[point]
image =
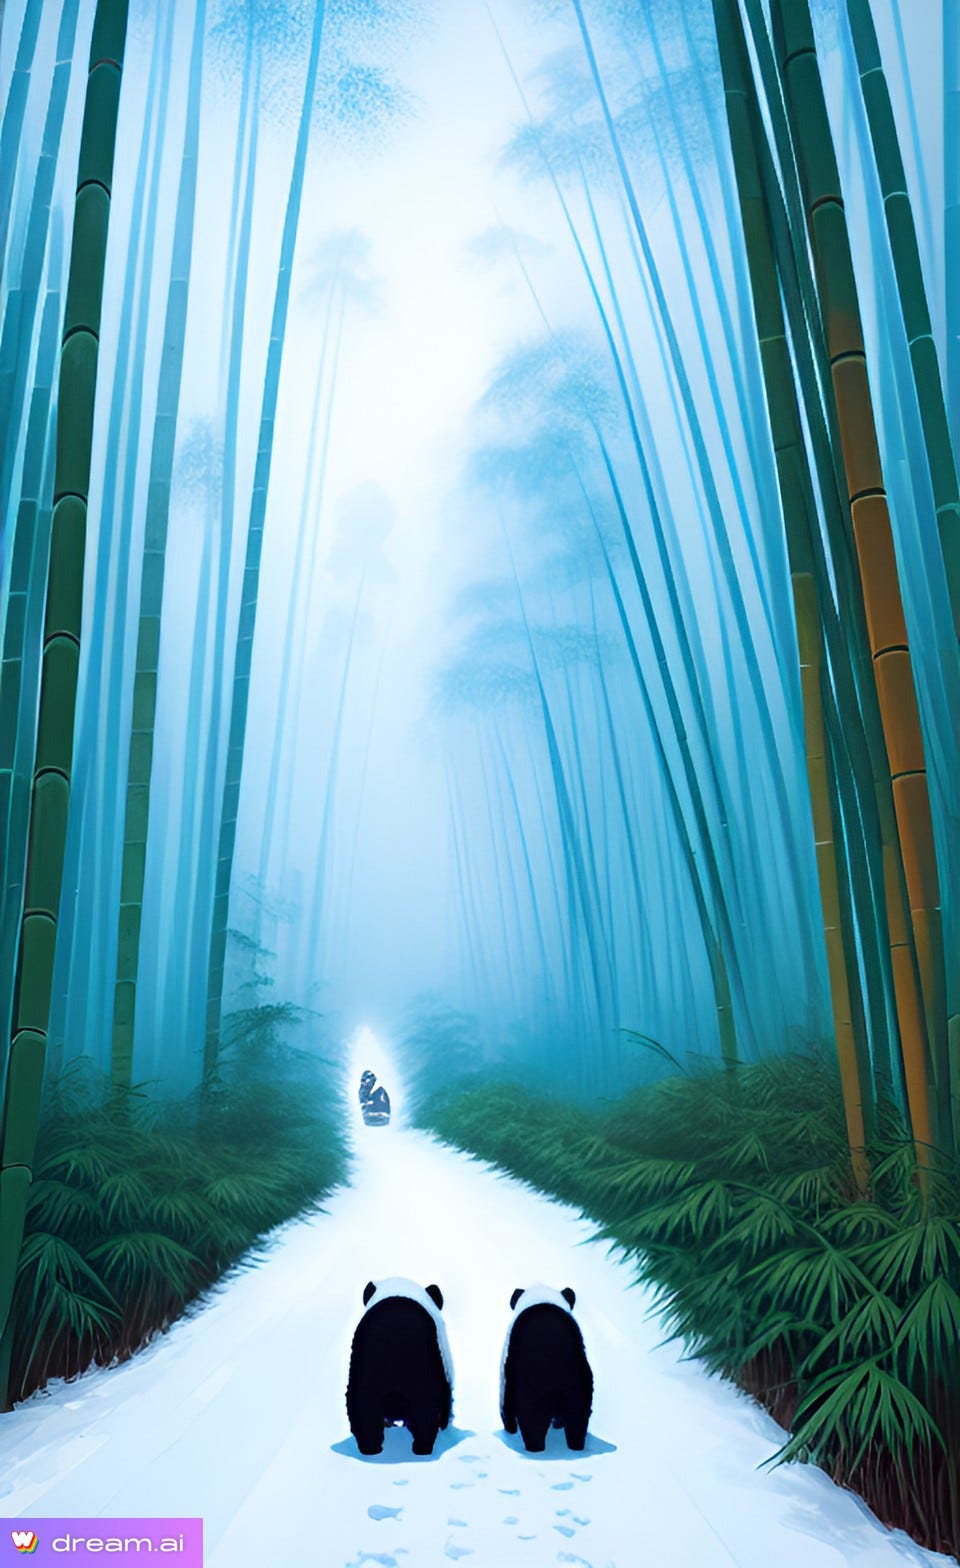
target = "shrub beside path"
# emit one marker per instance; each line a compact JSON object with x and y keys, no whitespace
{"x":238,"y":1414}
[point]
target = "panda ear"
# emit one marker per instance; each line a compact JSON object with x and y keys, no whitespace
{"x":516,"y":1297}
{"x":368,"y":1290}
{"x":569,"y":1296}
{"x":436,"y":1295}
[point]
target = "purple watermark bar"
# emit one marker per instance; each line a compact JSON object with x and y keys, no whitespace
{"x":47,"y":1541}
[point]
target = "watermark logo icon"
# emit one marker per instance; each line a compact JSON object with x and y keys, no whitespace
{"x":25,"y":1541}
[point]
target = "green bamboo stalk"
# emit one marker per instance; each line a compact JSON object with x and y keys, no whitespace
{"x":61,"y":646}
{"x":136,"y":817}
{"x":243,"y":659}
{"x":951,"y":203}
{"x":905,"y":252}
{"x":799,"y":516}
{"x":845,"y":622}
{"x":880,"y":588}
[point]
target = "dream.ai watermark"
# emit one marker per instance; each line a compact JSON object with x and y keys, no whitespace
{"x":48,"y":1541}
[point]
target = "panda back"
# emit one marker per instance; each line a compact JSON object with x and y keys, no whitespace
{"x":407,"y":1321}
{"x":543,"y":1330}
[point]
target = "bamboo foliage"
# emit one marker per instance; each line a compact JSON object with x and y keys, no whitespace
{"x":873,"y":536}
{"x":62,"y":631}
{"x":718,"y":913}
{"x":730,"y":572}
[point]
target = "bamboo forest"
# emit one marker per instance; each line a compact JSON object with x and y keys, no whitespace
{"x":479,"y":616}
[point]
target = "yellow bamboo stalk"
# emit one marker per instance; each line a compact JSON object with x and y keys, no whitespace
{"x":809,"y":634}
{"x":922,"y":1026}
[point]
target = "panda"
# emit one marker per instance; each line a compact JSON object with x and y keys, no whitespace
{"x":545,"y":1377}
{"x":400,"y":1367}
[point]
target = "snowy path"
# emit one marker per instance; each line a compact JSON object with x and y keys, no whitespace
{"x":238,"y":1414}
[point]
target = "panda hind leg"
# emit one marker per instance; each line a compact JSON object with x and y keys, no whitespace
{"x":508,"y":1413}
{"x":533,"y":1425}
{"x":575,"y":1431}
{"x":424,"y":1435}
{"x":369,"y":1437}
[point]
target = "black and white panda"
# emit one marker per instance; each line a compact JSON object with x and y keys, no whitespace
{"x":545,"y":1377}
{"x":400,"y":1366}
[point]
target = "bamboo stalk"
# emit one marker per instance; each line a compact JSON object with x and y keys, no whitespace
{"x":136,"y":808}
{"x":845,"y":622}
{"x":810,"y":646}
{"x":22,"y":305}
{"x":873,"y":535}
{"x":799,"y":515}
{"x":83,"y":986}
{"x":62,"y":632}
{"x":905,"y":252}
{"x":951,"y":198}
{"x":251,"y":573}
{"x":14,"y":113}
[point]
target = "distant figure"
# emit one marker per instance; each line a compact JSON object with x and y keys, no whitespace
{"x":374,"y":1102}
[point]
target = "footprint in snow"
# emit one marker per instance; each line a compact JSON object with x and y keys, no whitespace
{"x":509,"y":1491}
{"x":565,"y":1530}
{"x":380,"y":1511}
{"x":511,"y":1519}
{"x":562,"y":1486}
{"x":460,"y":1523}
{"x":459,"y":1486}
{"x":401,"y":1483}
{"x":571,"y":1557}
{"x":455,"y":1552}
{"x":579,"y":1476}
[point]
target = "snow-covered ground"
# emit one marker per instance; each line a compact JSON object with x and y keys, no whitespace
{"x":238,"y":1414}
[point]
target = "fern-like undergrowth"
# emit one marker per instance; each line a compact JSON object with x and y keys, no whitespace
{"x":732,"y":1194}
{"x":138,"y":1207}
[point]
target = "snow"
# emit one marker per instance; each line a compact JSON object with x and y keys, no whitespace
{"x":238,"y":1413}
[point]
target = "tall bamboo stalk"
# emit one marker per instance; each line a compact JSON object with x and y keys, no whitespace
{"x":732,"y":575}
{"x":18,"y":693}
{"x":23,"y":302}
{"x":211,"y":768}
{"x":136,"y":810}
{"x":799,"y":515}
{"x":951,"y":202}
{"x":889,"y":643}
{"x":905,"y":252}
{"x":867,"y":776}
{"x":84,"y":976}
{"x":14,"y":111}
{"x":62,"y":631}
{"x":251,"y":574}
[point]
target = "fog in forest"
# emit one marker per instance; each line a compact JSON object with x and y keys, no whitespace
{"x":524,"y":673}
